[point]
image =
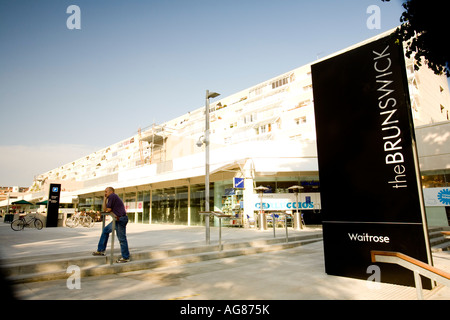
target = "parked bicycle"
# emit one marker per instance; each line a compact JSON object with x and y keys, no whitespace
{"x":80,"y":219}
{"x":23,"y":222}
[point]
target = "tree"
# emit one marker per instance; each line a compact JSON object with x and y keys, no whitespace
{"x":424,"y":29}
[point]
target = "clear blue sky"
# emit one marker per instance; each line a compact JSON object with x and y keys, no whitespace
{"x":66,"y":93}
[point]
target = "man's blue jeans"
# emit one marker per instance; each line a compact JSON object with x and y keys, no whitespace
{"x":121,"y":235}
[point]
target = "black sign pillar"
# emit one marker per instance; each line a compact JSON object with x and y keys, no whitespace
{"x":53,"y":205}
{"x":368,"y":162}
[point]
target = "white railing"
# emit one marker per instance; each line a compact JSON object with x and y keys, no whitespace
{"x":418,"y":267}
{"x":216,"y":214}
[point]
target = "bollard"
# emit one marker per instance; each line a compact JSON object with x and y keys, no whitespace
{"x":286,"y":226}
{"x":273,"y":224}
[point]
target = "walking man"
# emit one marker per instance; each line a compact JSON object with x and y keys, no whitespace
{"x":112,"y":203}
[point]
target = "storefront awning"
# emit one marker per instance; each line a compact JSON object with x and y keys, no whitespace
{"x":275,"y":165}
{"x":228,"y":166}
{"x":21,"y":202}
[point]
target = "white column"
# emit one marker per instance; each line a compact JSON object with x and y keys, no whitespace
{"x":248,"y":196}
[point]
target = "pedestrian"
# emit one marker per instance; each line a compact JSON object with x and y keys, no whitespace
{"x":113,"y":204}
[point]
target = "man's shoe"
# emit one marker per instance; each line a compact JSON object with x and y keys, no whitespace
{"x":98,"y":253}
{"x":122,"y":260}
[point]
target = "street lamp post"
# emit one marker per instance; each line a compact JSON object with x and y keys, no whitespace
{"x":209,"y":95}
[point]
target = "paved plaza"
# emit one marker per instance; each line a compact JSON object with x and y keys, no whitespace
{"x":291,"y":274}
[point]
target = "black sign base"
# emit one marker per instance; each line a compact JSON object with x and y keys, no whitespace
{"x":348,"y":245}
{"x":370,"y":188}
{"x":53,"y":205}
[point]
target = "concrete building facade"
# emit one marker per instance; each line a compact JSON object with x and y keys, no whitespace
{"x":260,"y":136}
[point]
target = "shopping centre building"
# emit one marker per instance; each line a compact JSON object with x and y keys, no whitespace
{"x":261,"y":136}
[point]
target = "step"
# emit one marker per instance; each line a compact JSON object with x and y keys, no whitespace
{"x":445,"y":246}
{"x":21,"y":272}
{"x":438,"y":241}
{"x":435,"y":234}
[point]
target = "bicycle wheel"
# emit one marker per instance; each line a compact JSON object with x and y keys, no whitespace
{"x":17,"y":225}
{"x":69,"y":223}
{"x":87,"y":222}
{"x":72,"y":222}
{"x":38,"y":224}
{"x":91,"y":222}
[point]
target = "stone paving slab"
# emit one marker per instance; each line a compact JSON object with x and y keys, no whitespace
{"x":291,"y":274}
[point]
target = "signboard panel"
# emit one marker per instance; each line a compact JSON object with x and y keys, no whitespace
{"x":238,"y":183}
{"x":366,"y":149}
{"x":437,"y":197}
{"x":286,"y":201}
{"x":53,"y":205}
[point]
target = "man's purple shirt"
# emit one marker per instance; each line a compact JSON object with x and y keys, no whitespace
{"x":116,"y":205}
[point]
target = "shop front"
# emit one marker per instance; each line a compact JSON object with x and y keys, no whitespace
{"x":173,"y":205}
{"x":181,"y":205}
{"x":437,"y":206}
{"x":278,"y":206}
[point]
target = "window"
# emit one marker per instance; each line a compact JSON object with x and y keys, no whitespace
{"x":300,"y":121}
{"x":304,"y":103}
{"x":436,"y":179}
{"x":256,"y":92}
{"x":249,"y":118}
{"x":280,"y":82}
{"x":307,"y":88}
{"x":410,"y":69}
{"x":264,"y":129}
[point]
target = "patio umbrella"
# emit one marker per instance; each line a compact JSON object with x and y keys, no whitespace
{"x":42,"y":202}
{"x":21,"y":202}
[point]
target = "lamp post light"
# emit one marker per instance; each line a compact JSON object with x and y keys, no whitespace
{"x":209,"y":95}
{"x":297,"y":219}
